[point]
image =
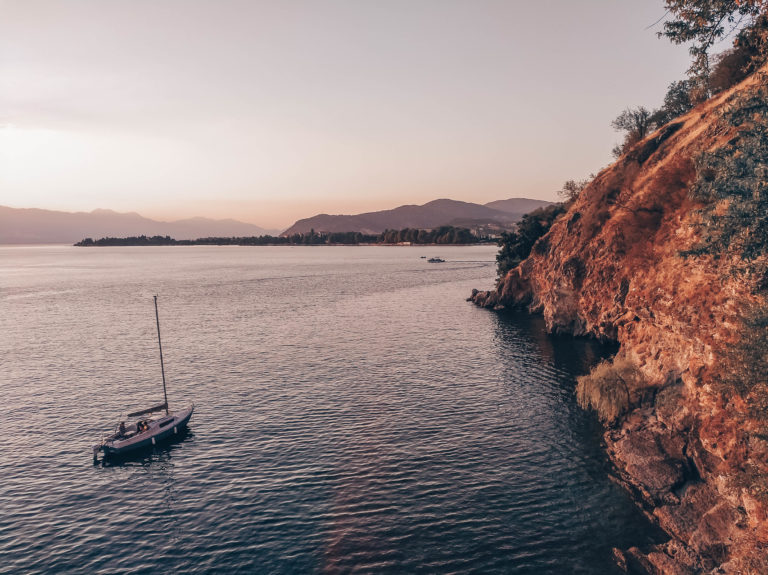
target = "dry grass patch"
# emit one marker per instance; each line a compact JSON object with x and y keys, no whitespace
{"x":606,"y":388}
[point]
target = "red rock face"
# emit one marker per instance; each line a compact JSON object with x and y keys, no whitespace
{"x":610,"y":267}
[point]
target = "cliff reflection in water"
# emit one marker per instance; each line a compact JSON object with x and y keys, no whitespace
{"x":570,"y":354}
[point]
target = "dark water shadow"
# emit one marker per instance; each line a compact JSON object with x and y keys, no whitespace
{"x":617,"y":519}
{"x":574,"y":354}
{"x":540,"y":368}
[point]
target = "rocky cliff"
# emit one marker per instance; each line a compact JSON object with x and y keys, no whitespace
{"x":614,"y":266}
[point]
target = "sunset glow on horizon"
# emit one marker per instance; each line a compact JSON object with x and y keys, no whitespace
{"x":269,"y":112}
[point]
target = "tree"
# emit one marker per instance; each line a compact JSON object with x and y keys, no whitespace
{"x":516,"y":246}
{"x":677,"y":102}
{"x":572,"y":188}
{"x":730,"y":68}
{"x":636,"y":123}
{"x":706,"y":22}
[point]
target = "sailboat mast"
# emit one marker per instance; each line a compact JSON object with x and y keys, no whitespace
{"x":160,"y":345}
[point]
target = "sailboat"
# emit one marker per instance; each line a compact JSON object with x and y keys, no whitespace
{"x":145,"y":431}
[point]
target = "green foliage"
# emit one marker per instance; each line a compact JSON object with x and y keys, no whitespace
{"x":633,"y":121}
{"x":637,"y":123}
{"x":132,"y":241}
{"x":441,"y":235}
{"x":733,"y":183}
{"x":606,"y":389}
{"x":677,"y":102}
{"x":703,"y":23}
{"x":517,"y":245}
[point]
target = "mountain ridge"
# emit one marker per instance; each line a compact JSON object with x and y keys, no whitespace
{"x":41,"y":226}
{"x":432,"y":214}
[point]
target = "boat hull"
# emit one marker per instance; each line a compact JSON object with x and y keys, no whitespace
{"x":160,"y":430}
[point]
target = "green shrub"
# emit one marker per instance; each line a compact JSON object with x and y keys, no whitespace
{"x":517,"y":245}
{"x":733,"y":183}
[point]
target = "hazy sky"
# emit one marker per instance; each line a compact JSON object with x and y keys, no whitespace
{"x":268,"y":111}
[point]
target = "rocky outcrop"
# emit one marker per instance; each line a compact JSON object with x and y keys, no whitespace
{"x":611,"y":267}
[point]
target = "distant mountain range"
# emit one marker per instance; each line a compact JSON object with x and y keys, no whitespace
{"x":35,"y":226}
{"x":430,"y":215}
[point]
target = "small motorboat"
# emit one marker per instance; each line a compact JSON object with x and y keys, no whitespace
{"x":145,"y":432}
{"x":436,"y":260}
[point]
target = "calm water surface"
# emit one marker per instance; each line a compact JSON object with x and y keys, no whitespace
{"x":354,"y":414}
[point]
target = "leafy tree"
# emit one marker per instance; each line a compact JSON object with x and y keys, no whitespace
{"x":706,"y":22}
{"x":440,"y":235}
{"x":677,"y":101}
{"x":572,"y":188}
{"x":636,"y":123}
{"x":517,"y":245}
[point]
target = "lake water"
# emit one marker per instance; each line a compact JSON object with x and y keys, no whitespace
{"x":353,"y":414}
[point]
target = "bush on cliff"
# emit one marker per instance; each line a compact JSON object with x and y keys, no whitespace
{"x":731,"y":67}
{"x":516,"y":246}
{"x":732,"y":182}
{"x":606,"y":389}
{"x":636,"y":123}
{"x":677,"y":101}
{"x":572,"y":188}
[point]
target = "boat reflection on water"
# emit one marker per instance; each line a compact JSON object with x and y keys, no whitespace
{"x":153,"y":473}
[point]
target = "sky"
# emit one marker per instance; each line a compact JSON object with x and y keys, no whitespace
{"x":270,"y":111}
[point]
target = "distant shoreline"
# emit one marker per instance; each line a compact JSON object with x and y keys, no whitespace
{"x":443,"y":236}
{"x":183,"y":243}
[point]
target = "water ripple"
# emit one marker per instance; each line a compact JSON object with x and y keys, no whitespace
{"x":354,"y":414}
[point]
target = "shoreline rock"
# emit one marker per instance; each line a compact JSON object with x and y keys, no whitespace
{"x":610,"y":268}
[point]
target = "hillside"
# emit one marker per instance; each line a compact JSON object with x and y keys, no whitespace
{"x":436,"y":213}
{"x":649,"y":256}
{"x":35,"y":226}
{"x":517,"y":206}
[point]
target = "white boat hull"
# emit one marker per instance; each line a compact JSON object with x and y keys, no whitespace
{"x":159,"y":430}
